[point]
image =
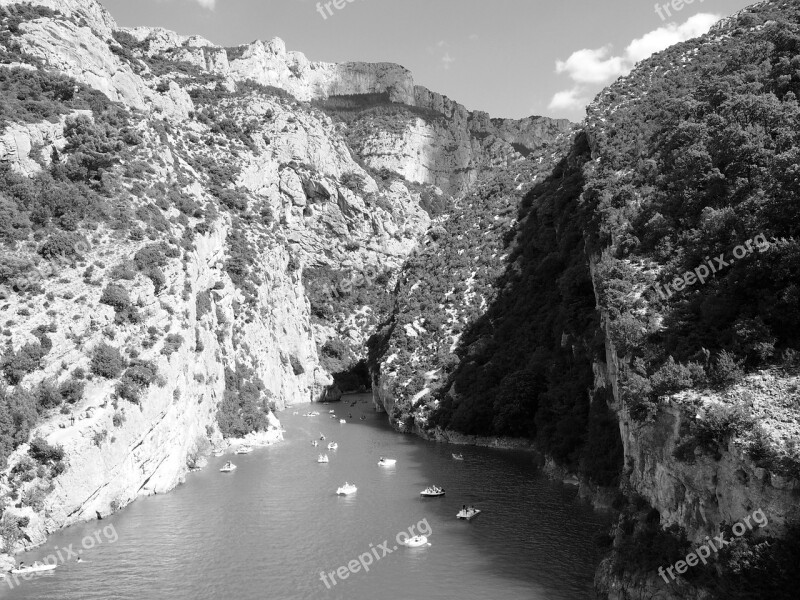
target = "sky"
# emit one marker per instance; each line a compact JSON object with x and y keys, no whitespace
{"x":510,"y":58}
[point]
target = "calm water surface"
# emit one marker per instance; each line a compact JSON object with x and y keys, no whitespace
{"x":268,"y":529}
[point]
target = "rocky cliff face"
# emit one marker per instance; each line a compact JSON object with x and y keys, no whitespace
{"x":701,"y":445}
{"x":221,"y":179}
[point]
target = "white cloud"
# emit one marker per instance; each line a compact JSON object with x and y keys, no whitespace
{"x":568,"y":100}
{"x":447,"y":60}
{"x":209,"y":4}
{"x":589,"y":68}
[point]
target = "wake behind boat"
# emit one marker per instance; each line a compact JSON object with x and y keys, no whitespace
{"x":433,"y":491}
{"x":346,"y":489}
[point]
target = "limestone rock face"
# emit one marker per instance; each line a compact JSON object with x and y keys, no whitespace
{"x":19,"y":139}
{"x":249,"y":200}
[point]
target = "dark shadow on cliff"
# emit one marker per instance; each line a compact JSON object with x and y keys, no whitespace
{"x":526,"y":365}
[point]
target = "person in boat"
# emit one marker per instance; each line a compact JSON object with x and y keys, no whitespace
{"x":464,"y":507}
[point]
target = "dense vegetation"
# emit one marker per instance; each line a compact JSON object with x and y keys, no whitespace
{"x":706,"y":161}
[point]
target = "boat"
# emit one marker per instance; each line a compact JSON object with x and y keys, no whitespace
{"x":333,"y":446}
{"x":228,"y":467}
{"x":244,"y":450}
{"x":323,"y":458}
{"x":342,"y":421}
{"x":334,"y":417}
{"x":219,"y":452}
{"x":362,"y":418}
{"x":34,"y":568}
{"x":322,"y":437}
{"x":332,"y":411}
{"x":432,"y":491}
{"x":311,"y":414}
{"x":387,"y":462}
{"x":416,"y":541}
{"x":458,"y":456}
{"x":468,"y":513}
{"x":346,"y":489}
{"x":572,"y":480}
{"x":296,"y":413}
{"x":314,"y":443}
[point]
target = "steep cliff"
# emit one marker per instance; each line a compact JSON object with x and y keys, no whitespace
{"x":638,"y":319}
{"x":193,"y":238}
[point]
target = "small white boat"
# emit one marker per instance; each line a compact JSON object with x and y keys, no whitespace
{"x":346,"y":489}
{"x":342,"y":421}
{"x":228,"y":467}
{"x":387,"y":462}
{"x":314,"y":443}
{"x":433,"y":491}
{"x":416,"y":541}
{"x":244,"y":450}
{"x":322,"y":437}
{"x":468,"y":513}
{"x":458,"y":456}
{"x":34,"y":568}
{"x":219,"y":452}
{"x":296,"y":412}
{"x":333,"y":446}
{"x":331,"y":411}
{"x":311,"y":414}
{"x":323,"y":458}
{"x":334,"y":417}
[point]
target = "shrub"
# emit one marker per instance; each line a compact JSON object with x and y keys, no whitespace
{"x":48,"y":395}
{"x":26,"y":360}
{"x":118,"y":419}
{"x":353,"y":181}
{"x":43,"y":452}
{"x":106,"y":361}
{"x":673,"y":377}
{"x":71,"y":390}
{"x":172,"y":343}
{"x":116,"y":296}
{"x":61,"y":245}
{"x":203,"y":303}
{"x":719,"y":424}
{"x":727,"y":370}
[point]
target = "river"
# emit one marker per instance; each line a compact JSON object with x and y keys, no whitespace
{"x":270,"y":528}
